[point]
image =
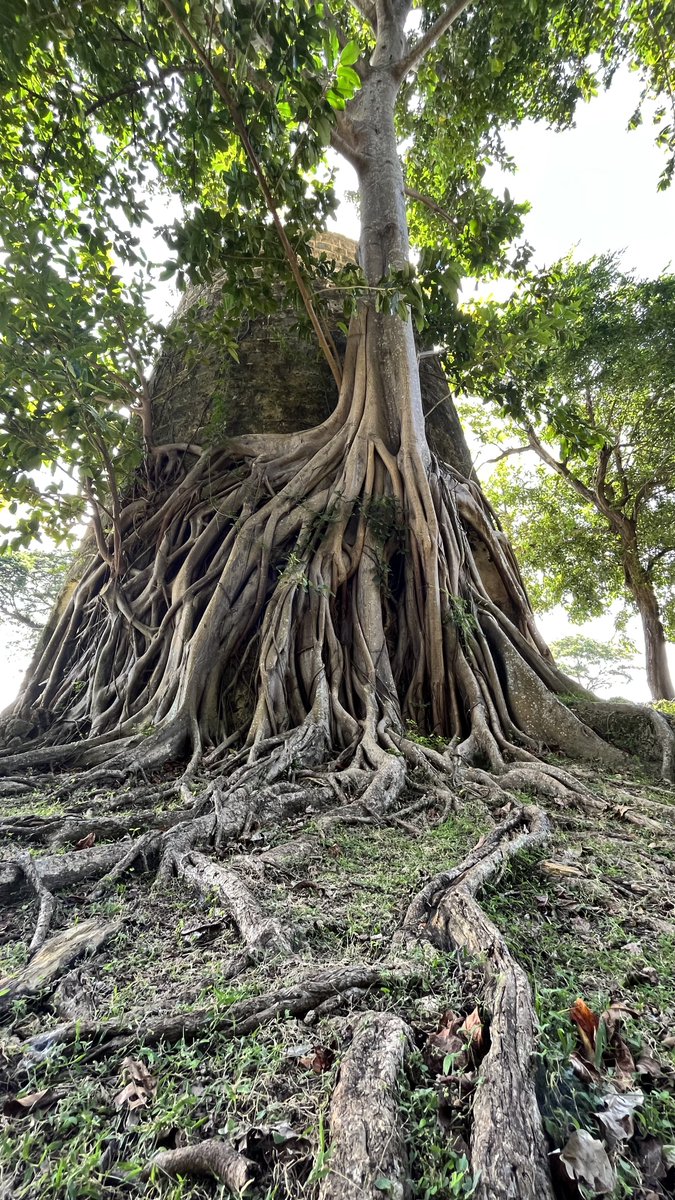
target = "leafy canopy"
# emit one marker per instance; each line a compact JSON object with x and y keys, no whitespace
{"x":29,"y":585}
{"x":108,"y":112}
{"x":582,"y":360}
{"x":596,"y":664}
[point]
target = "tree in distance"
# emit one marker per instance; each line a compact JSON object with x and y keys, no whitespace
{"x":582,"y":359}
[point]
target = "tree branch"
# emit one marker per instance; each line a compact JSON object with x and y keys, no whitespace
{"x":413,"y":194}
{"x":561,"y":469}
{"x":507,"y":453}
{"x":433,"y":34}
{"x":342,"y":141}
{"x":367,"y":11}
{"x":601,"y":475}
{"x":325,"y":340}
{"x":654,"y":558}
{"x":139,"y":85}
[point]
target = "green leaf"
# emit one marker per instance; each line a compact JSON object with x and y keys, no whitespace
{"x":350,"y":54}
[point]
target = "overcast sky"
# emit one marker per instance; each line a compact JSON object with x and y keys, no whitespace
{"x":592,"y":188}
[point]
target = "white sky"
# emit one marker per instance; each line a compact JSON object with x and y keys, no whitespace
{"x":592,"y":188}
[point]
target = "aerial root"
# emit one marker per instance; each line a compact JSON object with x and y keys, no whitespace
{"x":366,"y":1130}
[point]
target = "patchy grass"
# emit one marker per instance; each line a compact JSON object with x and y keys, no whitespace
{"x":602,"y":929}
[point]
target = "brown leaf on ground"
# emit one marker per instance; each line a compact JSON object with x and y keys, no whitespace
{"x":21,"y":1106}
{"x":585,"y":1161}
{"x":444,"y":1042}
{"x":650,"y":1066}
{"x":141,"y":1086}
{"x":472,"y":1028}
{"x":584,"y":1070}
{"x":651,"y":1158}
{"x":617,"y":1116}
{"x":319,"y":1060}
{"x":624,"y":1065}
{"x":587,"y":1023}
{"x":86,"y":842}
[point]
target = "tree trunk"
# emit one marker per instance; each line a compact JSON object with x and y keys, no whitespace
{"x":325,"y":588}
{"x":640,"y":587}
{"x":305,"y":624}
{"x":656,"y":647}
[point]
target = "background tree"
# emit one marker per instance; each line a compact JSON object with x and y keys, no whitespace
{"x":582,"y":359}
{"x":596,"y":664}
{"x":30,"y":582}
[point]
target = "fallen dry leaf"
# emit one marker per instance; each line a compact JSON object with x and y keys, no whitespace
{"x":132,"y":1096}
{"x":472,"y":1028}
{"x":141,"y":1086}
{"x":445,"y":1042}
{"x":86,"y":842}
{"x":651,"y":1158}
{"x":648,"y":1065}
{"x":319,"y":1060}
{"x":587,"y":1023}
{"x":617,"y":1116}
{"x":21,"y":1106}
{"x":585,"y":1161}
{"x":584,"y":1070}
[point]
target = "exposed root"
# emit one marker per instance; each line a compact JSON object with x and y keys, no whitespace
{"x":55,"y":956}
{"x":366,"y":1132}
{"x":215,"y":1157}
{"x":508,"y":1150}
{"x":142,"y":848}
{"x":63,"y":870}
{"x":237,"y":1019}
{"x":259,"y":932}
{"x":46,"y":898}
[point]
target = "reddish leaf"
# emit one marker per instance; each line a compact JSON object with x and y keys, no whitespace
{"x":472,"y":1028}
{"x":587,"y":1023}
{"x":319,"y":1061}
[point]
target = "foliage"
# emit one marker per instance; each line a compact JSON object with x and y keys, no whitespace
{"x":108,"y":113}
{"x":581,"y":360}
{"x":595,"y":664}
{"x":30,"y":581}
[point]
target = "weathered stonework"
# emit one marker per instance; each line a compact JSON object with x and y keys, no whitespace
{"x":281,"y":383}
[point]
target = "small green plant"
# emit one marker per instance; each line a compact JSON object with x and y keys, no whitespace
{"x":432,"y":740}
{"x":436,"y":1169}
{"x":461,"y":616}
{"x":384,"y":517}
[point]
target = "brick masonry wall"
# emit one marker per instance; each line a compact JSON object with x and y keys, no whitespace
{"x":281,"y":383}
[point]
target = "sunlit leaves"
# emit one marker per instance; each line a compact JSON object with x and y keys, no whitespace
{"x":583,"y":355}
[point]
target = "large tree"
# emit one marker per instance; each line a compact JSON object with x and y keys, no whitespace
{"x":336,"y":607}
